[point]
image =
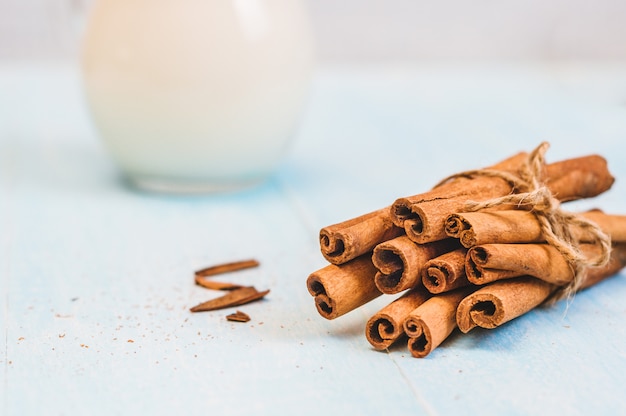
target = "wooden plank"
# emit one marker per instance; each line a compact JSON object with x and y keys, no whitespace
{"x":100,"y":277}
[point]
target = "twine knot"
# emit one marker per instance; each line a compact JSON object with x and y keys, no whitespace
{"x":543,"y":201}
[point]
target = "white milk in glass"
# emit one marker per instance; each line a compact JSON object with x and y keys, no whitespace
{"x":197,"y":95}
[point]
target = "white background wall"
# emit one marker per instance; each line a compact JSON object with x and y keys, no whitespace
{"x":374,"y":30}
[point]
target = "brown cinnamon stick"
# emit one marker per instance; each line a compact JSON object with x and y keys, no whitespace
{"x":578,"y":178}
{"x":347,"y":240}
{"x":490,"y":262}
{"x":233,"y":298}
{"x":483,"y":227}
{"x":501,"y":301}
{"x":339,"y":289}
{"x":400,"y":261}
{"x":386,"y":326}
{"x":520,"y":226}
{"x":432,"y":322}
{"x":424,"y":216}
{"x":445,"y":272}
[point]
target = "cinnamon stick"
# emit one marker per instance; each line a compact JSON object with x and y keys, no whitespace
{"x":445,"y":272}
{"x":578,"y":178}
{"x":499,"y":302}
{"x":432,"y":322}
{"x":520,"y":226}
{"x":490,"y":262}
{"x":339,"y":289}
{"x":424,"y":216}
{"x":347,"y":240}
{"x":386,"y":326}
{"x":400,"y":262}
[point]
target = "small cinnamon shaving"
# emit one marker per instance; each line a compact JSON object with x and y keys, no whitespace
{"x":209,"y":284}
{"x":201,"y":274}
{"x":226,"y":267}
{"x":233,"y":298}
{"x":238,"y":316}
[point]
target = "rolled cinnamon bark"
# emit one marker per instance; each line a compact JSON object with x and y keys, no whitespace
{"x":432,"y":322}
{"x":347,"y":240}
{"x":578,"y":178}
{"x":386,"y":326}
{"x":500,"y":302}
{"x":520,"y":226}
{"x":338,"y":290}
{"x":490,"y":262}
{"x":445,"y":272}
{"x":424,"y":216}
{"x":400,"y":261}
{"x":483,"y":227}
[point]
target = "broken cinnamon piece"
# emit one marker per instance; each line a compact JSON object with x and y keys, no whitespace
{"x":433,"y":321}
{"x":339,"y":289}
{"x":385,"y":327}
{"x":235,"y":297}
{"x":347,"y":240}
{"x":238,"y":316}
{"x":200,"y":275}
{"x":226,"y":267}
{"x":445,"y":272}
{"x":210,"y":284}
{"x":400,"y":262}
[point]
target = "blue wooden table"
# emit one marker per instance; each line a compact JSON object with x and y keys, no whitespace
{"x":96,"y":278}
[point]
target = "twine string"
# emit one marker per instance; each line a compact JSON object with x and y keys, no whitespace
{"x":530,"y":192}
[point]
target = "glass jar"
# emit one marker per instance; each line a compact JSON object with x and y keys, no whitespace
{"x":197,"y":95}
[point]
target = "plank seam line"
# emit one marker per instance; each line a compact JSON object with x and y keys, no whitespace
{"x":425,"y":405}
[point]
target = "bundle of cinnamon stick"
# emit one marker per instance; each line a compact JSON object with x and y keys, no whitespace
{"x":479,"y":249}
